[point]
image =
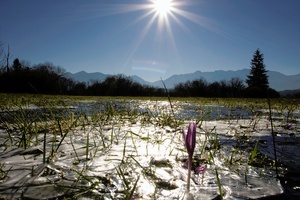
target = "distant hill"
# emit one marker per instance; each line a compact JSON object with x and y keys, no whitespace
{"x":83,"y":76}
{"x":208,"y":76}
{"x":277,"y":80}
{"x":290,"y":93}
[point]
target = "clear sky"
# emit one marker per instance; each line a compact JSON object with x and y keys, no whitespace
{"x":153,"y":41}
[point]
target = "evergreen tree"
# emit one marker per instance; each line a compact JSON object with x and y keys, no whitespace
{"x":17,"y":64}
{"x":258,"y":77}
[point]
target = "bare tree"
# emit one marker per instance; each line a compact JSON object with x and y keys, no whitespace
{"x":2,"y":55}
{"x":8,"y":56}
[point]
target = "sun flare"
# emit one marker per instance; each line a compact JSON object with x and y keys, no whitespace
{"x":163,"y":7}
{"x":161,"y":16}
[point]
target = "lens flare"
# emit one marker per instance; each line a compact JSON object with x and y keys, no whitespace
{"x":161,"y":18}
{"x":163,"y":7}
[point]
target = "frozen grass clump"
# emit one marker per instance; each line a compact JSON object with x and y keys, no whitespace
{"x":104,"y":148}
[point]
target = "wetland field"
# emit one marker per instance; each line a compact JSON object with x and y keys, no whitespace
{"x":62,"y":147}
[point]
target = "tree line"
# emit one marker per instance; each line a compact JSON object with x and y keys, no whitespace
{"x":47,"y":78}
{"x":234,"y":88}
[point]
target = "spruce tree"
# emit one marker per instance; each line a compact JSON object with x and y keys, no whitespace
{"x":258,"y":77}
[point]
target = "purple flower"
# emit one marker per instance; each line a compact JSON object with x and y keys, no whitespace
{"x":201,"y":169}
{"x":190,"y":139}
{"x":289,"y":127}
{"x":189,"y":142}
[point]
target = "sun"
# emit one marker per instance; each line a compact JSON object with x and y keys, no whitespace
{"x":163,"y":7}
{"x":162,"y":19}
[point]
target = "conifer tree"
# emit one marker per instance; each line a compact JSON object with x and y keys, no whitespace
{"x":258,"y":77}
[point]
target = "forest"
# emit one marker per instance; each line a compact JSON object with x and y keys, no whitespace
{"x":46,"y":78}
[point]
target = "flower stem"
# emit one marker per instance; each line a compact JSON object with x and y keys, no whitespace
{"x":189,"y":173}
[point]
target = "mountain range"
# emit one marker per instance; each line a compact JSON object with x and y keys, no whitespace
{"x":277,"y":80}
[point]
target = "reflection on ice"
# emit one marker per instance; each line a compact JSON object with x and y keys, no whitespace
{"x":141,"y":152}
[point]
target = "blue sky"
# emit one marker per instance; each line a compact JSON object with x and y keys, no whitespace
{"x":132,"y":37}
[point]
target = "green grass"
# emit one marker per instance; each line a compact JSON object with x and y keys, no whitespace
{"x":24,"y":129}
